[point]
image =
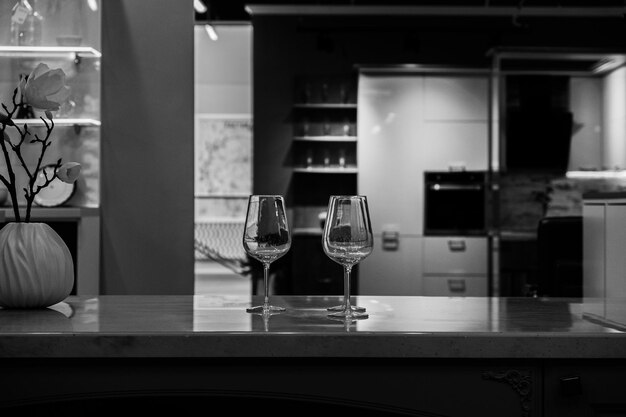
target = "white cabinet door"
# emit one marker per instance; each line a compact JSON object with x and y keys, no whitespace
{"x":446,"y":145}
{"x":456,"y":113}
{"x":456,"y":98}
{"x":455,"y":255}
{"x":615,"y":250}
{"x":392,"y":272}
{"x":456,"y":266}
{"x":409,"y":124}
{"x":389,"y":120}
{"x":593,"y":258}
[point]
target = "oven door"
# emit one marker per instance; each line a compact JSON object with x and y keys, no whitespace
{"x":455,"y":206}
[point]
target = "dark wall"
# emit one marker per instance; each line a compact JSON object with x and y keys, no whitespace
{"x":147,"y":147}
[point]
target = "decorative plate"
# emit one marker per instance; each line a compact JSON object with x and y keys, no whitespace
{"x":56,"y":193}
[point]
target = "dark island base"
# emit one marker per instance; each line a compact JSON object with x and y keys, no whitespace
{"x":310,"y":386}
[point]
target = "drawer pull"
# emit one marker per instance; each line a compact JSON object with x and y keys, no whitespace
{"x":456,"y":245}
{"x":456,"y":285}
{"x":391,"y":240}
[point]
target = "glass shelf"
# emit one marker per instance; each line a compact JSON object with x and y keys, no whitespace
{"x":70,"y":52}
{"x":326,"y":138}
{"x":324,"y":170}
{"x":325,"y":105}
{"x":59,"y":122}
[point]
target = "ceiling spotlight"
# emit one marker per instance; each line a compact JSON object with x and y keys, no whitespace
{"x":210,"y":30}
{"x":93,"y":5}
{"x":199,"y":6}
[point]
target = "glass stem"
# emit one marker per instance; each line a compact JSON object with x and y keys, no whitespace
{"x":266,"y":271}
{"x":346,"y":287}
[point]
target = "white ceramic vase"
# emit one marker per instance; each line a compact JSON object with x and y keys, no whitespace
{"x":36,"y":268}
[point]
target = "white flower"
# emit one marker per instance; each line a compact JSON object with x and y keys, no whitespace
{"x":69,"y":172}
{"x":44,"y":88}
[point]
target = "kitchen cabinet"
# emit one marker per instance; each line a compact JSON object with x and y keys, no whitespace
{"x":68,"y":38}
{"x":604,"y":239}
{"x":584,"y":388}
{"x":615,"y":276}
{"x":455,"y":266}
{"x":409,"y":123}
{"x":455,"y":123}
{"x":392,"y":268}
{"x":594,"y":240}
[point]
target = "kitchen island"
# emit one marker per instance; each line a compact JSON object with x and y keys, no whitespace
{"x":412,"y":356}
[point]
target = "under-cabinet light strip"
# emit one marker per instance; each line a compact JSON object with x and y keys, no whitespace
{"x":596,"y":174}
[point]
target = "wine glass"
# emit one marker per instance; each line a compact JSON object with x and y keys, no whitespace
{"x":347,"y":240}
{"x":266,"y":238}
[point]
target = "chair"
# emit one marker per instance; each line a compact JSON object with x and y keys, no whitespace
{"x":560,"y":256}
{"x":220,"y":241}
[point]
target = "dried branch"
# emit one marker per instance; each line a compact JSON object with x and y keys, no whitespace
{"x":11,"y":182}
{"x":45,"y":144}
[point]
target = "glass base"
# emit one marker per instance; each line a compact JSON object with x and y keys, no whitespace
{"x":265,"y":309}
{"x":349,"y":315}
{"x":341,"y":307}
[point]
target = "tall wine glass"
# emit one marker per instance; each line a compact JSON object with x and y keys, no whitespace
{"x":347,"y":240}
{"x":266,"y":238}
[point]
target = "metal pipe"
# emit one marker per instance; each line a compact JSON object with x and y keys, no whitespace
{"x":485,"y":11}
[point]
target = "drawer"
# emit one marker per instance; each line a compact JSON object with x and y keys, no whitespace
{"x":456,"y":255}
{"x":455,"y":285}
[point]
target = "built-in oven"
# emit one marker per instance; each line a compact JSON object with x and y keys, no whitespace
{"x":455,"y":203}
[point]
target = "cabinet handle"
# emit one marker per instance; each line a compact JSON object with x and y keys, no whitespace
{"x":456,"y":245}
{"x":456,"y":285}
{"x":391,"y":240}
{"x":571,"y":386}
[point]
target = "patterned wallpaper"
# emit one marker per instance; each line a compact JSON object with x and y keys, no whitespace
{"x":223,"y":170}
{"x":527,"y":197}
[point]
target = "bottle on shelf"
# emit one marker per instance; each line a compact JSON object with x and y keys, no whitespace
{"x":26,"y":23}
{"x":346,"y":127}
{"x":305,"y":127}
{"x":325,"y":92}
{"x":326,"y":128}
{"x":343,"y":93}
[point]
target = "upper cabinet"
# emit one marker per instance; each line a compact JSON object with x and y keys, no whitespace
{"x":63,"y":34}
{"x":409,"y":123}
{"x":559,"y":110}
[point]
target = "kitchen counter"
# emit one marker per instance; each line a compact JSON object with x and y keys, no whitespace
{"x":398,"y":327}
{"x":412,"y":356}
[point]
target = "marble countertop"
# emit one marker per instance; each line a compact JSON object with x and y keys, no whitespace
{"x":397,"y":327}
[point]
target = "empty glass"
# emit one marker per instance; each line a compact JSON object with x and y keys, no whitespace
{"x":266,"y":238}
{"x":347,"y":240}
